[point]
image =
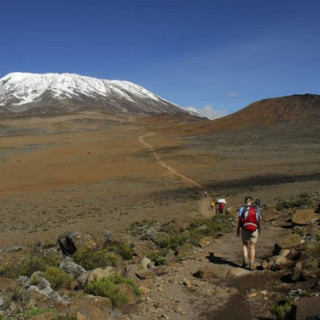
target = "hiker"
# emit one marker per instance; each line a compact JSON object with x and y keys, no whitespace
{"x":221,"y":206}
{"x":249,"y":223}
{"x":213,"y":205}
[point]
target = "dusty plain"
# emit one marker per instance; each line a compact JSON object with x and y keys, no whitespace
{"x":90,"y":172}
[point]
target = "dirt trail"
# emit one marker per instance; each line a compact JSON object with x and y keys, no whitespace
{"x":164,"y":165}
{"x":206,"y":201}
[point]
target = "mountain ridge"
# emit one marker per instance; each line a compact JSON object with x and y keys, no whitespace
{"x":67,"y":92}
{"x":266,"y":112}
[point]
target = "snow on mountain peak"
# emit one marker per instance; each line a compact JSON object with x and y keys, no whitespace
{"x":23,"y":92}
{"x":27,"y":87}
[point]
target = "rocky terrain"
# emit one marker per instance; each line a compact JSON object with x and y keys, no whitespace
{"x":92,"y":179}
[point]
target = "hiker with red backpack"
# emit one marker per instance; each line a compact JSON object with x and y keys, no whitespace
{"x":249,"y":223}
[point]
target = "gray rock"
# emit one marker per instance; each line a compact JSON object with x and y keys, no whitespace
{"x":99,"y":273}
{"x":70,"y":267}
{"x":146,"y":263}
{"x":146,"y":274}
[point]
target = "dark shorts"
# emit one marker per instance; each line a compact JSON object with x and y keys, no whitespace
{"x":248,"y":236}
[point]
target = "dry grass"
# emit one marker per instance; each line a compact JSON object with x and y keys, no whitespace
{"x":90,"y":172}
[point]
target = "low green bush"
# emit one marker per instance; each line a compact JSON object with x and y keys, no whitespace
{"x":108,"y":287}
{"x":122,"y":249}
{"x":10,"y":271}
{"x":27,"y":267}
{"x":157,"y":256}
{"x":91,"y":259}
{"x":303,"y":201}
{"x":283,"y":310}
{"x":58,"y":278}
{"x":38,"y":263}
{"x":198,"y":229}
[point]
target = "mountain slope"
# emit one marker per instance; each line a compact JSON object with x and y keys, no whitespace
{"x":54,"y":93}
{"x":266,"y":112}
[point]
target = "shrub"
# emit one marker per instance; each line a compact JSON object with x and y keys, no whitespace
{"x":37,"y":263}
{"x":303,"y":201}
{"x":30,"y":265}
{"x":91,"y":259}
{"x":157,"y":256}
{"x":107,"y":287}
{"x":10,"y":271}
{"x":58,"y":278}
{"x":17,"y":293}
{"x":283,"y":309}
{"x":122,"y":249}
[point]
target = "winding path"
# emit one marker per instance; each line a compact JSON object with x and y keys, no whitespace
{"x":205,"y":203}
{"x":164,"y":165}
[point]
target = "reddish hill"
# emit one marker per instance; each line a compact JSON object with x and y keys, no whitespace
{"x":266,"y":112}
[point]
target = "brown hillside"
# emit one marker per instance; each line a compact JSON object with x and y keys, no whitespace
{"x":266,"y":112}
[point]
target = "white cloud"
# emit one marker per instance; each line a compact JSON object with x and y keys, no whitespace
{"x":233,"y":94}
{"x":209,"y":112}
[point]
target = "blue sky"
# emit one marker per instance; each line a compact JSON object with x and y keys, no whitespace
{"x":215,"y":56}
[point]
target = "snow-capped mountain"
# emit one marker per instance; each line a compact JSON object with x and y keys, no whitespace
{"x":52,"y":93}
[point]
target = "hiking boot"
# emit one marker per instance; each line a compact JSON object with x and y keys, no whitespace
{"x":245,"y":264}
{"x":252,"y":266}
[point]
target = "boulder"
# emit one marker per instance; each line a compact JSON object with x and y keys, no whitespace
{"x":99,"y":273}
{"x":211,"y":271}
{"x":304,"y":216}
{"x":287,"y":242}
{"x":81,"y":282}
{"x":70,"y":267}
{"x":274,"y":262}
{"x":308,"y":308}
{"x":146,"y":263}
{"x":146,"y":274}
{"x":130,"y":271}
{"x":71,"y":241}
{"x":151,"y":234}
{"x":270,"y":214}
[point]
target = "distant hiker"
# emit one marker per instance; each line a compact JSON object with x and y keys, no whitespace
{"x":213,"y":205}
{"x":249,"y":223}
{"x":221,"y":205}
{"x":205,"y":194}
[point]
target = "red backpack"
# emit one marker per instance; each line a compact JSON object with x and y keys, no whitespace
{"x":249,"y":219}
